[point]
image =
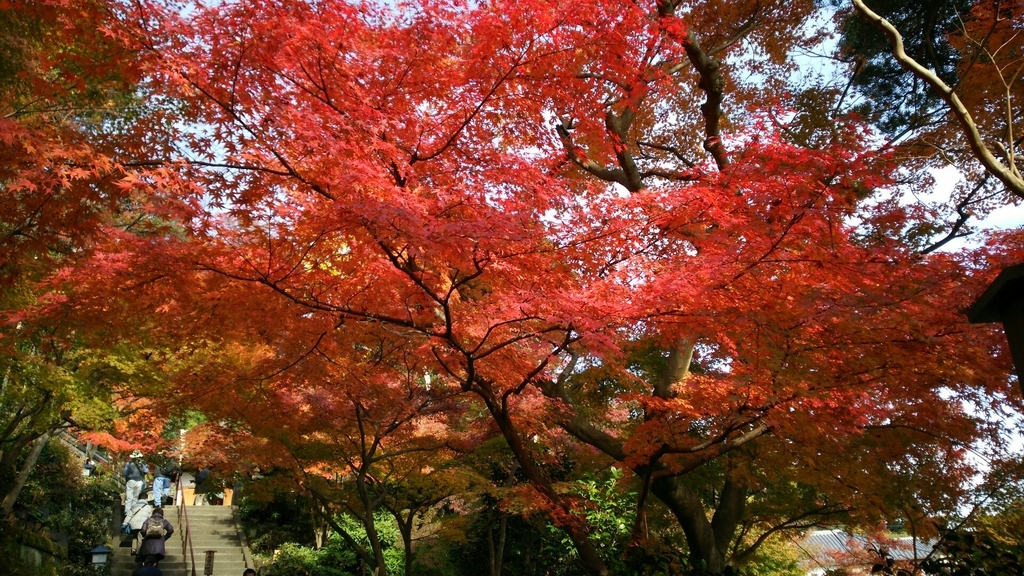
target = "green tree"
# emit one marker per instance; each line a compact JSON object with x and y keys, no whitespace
{"x":58,"y":499}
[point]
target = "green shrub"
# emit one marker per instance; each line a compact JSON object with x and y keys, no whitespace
{"x":292,"y":560}
{"x":337,"y":558}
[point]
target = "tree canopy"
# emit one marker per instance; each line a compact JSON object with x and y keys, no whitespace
{"x":368,"y":237}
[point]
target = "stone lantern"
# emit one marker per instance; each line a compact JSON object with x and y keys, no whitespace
{"x":98,"y":556}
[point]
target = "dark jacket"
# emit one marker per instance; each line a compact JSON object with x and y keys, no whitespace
{"x":204,"y":483}
{"x":168,"y":469}
{"x":147,"y":571}
{"x":135,"y":470}
{"x":154,"y":546}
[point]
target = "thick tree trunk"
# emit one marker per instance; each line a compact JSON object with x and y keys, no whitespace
{"x":708,"y":540}
{"x":12,"y":495}
{"x":496,"y":551}
{"x":371,"y":530}
{"x":407,"y":542}
{"x":319,"y":526}
{"x":15,"y":446}
{"x":498,"y":554}
{"x":588,"y":553}
{"x":405,"y":529}
{"x":382,"y":569}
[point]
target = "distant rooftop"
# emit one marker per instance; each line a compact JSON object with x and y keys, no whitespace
{"x":832,"y":548}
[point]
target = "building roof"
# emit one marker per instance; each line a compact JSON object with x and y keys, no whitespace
{"x":824,"y":544}
{"x":989,"y":306}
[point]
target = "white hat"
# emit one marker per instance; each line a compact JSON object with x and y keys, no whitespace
{"x":136,"y":454}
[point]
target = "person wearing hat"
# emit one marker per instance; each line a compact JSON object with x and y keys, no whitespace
{"x":134,"y":472}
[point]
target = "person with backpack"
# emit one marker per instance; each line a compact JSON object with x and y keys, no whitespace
{"x":155,"y":531}
{"x":165,"y":472}
{"x":134,"y":473}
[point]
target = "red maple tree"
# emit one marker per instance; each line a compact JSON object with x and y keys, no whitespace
{"x":548,"y":203}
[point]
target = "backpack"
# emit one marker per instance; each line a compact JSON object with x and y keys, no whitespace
{"x":153,"y":529}
{"x":136,"y":470}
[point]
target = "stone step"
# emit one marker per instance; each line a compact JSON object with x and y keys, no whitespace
{"x":202,"y":513}
{"x":218,"y":545}
{"x":214,"y":528}
{"x":163,"y":565}
{"x":210,"y":520}
{"x":221,"y":551}
{"x":202,"y":517}
{"x":124,"y":565}
{"x":214,"y":531}
{"x":230,"y":553}
{"x":219,"y":564}
{"x":199,"y":539}
{"x":208,"y":509}
{"x":217,"y":560}
{"x":200,"y":531}
{"x":219,"y":528}
{"x":222,"y":520}
{"x":175,"y":565}
{"x":166,"y":571}
{"x":199,"y":536}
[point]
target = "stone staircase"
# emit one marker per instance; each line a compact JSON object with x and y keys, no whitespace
{"x":215,"y":528}
{"x":212,"y":528}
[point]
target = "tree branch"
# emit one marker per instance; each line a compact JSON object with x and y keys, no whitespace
{"x":1013,"y":182}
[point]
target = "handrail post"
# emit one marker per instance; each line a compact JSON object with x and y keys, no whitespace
{"x":186,"y":541}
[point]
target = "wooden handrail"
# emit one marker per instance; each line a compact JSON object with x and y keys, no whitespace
{"x":186,"y":541}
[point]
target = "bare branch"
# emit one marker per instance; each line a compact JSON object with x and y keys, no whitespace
{"x":1013,"y":182}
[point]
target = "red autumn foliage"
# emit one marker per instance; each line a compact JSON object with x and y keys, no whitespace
{"x":541,"y":206}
